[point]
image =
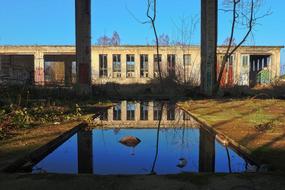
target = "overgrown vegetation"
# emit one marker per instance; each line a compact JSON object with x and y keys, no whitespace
{"x":14,"y":116}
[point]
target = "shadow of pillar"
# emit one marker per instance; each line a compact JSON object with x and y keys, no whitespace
{"x":85,"y":151}
{"x":206,"y":152}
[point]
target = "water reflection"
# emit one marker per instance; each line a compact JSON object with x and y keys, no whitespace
{"x":85,"y":151}
{"x":108,"y":156}
{"x":143,"y":113}
{"x":170,"y":146}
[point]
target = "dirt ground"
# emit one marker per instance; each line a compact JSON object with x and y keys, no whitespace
{"x":171,"y":182}
{"x":238,"y":123}
{"x":24,"y":141}
{"x":257,"y":124}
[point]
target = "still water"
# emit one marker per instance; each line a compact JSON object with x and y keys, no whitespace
{"x":179,"y":149}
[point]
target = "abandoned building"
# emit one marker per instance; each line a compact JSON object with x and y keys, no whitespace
{"x":56,"y":65}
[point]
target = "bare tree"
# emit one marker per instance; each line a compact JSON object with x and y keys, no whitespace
{"x":245,"y":14}
{"x":104,"y":40}
{"x":163,"y":40}
{"x":185,"y":31}
{"x":115,"y":40}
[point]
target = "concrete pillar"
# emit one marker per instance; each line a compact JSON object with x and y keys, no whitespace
{"x":150,"y":111}
{"x":137,"y":111}
{"x":39,"y":67}
{"x":124,"y":110}
{"x":110,"y":65}
{"x":151,"y":66}
{"x":206,"y":152}
{"x":83,"y":44}
{"x":137,"y":66}
{"x":123,"y":66}
{"x":85,"y":151}
{"x":110,"y":114}
{"x":209,"y":22}
{"x":68,"y":72}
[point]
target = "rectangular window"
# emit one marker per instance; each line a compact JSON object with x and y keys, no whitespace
{"x":117,"y":66}
{"x":186,"y":117}
{"x":54,"y":72}
{"x":144,"y":65}
{"x":171,"y":64}
{"x":170,"y":112}
{"x":117,"y":111}
{"x":245,"y":61}
{"x":144,"y":111}
{"x":156,"y":110}
{"x":104,"y":115}
{"x":187,"y":59}
{"x":103,"y":65}
{"x":131,"y":107}
{"x":130,"y":65}
{"x":155,"y":65}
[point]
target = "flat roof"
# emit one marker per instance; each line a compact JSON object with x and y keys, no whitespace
{"x":193,"y":46}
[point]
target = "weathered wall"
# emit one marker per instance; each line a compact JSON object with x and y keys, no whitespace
{"x":40,"y":51}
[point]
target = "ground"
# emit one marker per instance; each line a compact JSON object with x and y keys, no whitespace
{"x":171,"y":182}
{"x":239,"y":119}
{"x":23,"y":141}
{"x":257,"y":124}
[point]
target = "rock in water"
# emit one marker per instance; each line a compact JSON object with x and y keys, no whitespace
{"x":182,"y":163}
{"x":130,"y":141}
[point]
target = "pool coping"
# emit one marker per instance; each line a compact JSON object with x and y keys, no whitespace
{"x":26,"y":162}
{"x":245,"y":152}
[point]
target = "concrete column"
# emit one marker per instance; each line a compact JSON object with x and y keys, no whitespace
{"x":110,"y":65}
{"x":206,"y":152}
{"x":85,"y":151}
{"x":124,"y":110}
{"x":209,"y":22}
{"x":151,"y":66}
{"x":39,"y":75}
{"x":137,"y":111}
{"x":110,"y":114}
{"x":83,"y":44}
{"x":124,"y":66}
{"x":137,"y":66}
{"x":150,"y":111}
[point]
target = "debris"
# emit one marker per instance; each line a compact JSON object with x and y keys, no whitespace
{"x":182,"y":163}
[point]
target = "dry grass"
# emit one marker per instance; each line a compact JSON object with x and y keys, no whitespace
{"x":256,"y":124}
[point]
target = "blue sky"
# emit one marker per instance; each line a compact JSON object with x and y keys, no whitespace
{"x":52,"y":21}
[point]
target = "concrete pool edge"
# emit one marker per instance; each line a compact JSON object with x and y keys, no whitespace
{"x":247,"y":154}
{"x":36,"y":155}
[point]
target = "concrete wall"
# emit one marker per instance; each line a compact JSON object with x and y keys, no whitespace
{"x":194,"y":68}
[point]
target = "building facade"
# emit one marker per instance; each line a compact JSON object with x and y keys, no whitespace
{"x":56,"y":65}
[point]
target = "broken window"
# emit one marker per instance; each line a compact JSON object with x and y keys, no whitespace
{"x":117,"y":111}
{"x":171,"y":64}
{"x":103,"y":65}
{"x":54,"y":72}
{"x":157,"y":110}
{"x":130,"y":65}
{"x":155,"y":65}
{"x":144,"y":111}
{"x":187,"y":59}
{"x":131,"y":107}
{"x":170,"y":112}
{"x":144,"y":65}
{"x":116,"y":65}
{"x":104,"y":115}
{"x":17,"y":68}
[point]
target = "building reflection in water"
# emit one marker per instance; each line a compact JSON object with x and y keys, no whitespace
{"x":141,"y":113}
{"x":178,"y":147}
{"x":85,"y":151}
